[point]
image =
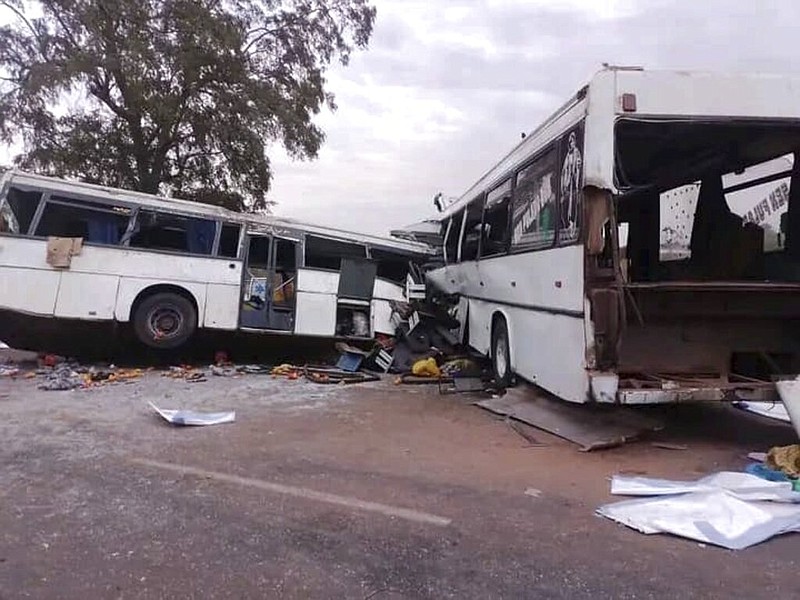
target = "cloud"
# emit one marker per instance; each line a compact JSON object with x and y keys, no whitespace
{"x":444,"y":91}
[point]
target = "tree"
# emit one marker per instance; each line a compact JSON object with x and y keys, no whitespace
{"x":180,"y":96}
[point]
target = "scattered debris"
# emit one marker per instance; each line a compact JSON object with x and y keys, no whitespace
{"x":350,"y":359}
{"x":732,"y":510}
{"x":409,"y":379}
{"x":785,"y":459}
{"x":533,"y":492}
{"x":186,"y":372}
{"x":764,"y":472}
{"x":772,"y":410}
{"x":669,"y":446}
{"x":426,"y":368}
{"x":223,"y":371}
{"x":286,"y":370}
{"x":191,"y":417}
{"x":255,"y":369}
{"x":61,"y":378}
{"x":9,"y":371}
{"x":336,"y":376}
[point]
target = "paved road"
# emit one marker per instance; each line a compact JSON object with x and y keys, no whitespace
{"x":371,"y":491}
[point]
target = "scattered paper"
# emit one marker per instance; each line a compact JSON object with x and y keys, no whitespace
{"x":732,"y":510}
{"x":718,"y":518}
{"x":772,"y":410}
{"x":742,"y":485}
{"x":192,"y":417}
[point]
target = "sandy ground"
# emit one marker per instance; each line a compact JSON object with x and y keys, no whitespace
{"x":366,"y":491}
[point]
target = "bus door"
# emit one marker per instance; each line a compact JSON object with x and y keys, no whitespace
{"x":270,"y":280}
{"x":354,"y":297}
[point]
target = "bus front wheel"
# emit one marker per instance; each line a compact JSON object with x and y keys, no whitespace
{"x":165,"y":320}
{"x":501,"y":354}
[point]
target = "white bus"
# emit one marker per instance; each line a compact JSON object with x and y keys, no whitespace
{"x":556,"y":256}
{"x":72,"y":252}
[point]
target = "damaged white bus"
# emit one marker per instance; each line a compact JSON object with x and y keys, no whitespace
{"x":559,"y":254}
{"x":73,"y":252}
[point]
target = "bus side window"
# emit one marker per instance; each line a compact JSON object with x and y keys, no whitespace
{"x":164,"y":231}
{"x":535,"y":210}
{"x":323,"y":253}
{"x":18,"y":210}
{"x":229,"y":240}
{"x":95,"y":222}
{"x":495,"y":221}
{"x":453,"y":235}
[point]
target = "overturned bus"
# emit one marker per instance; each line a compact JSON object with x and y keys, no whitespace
{"x":74,"y":252}
{"x":641,"y":245}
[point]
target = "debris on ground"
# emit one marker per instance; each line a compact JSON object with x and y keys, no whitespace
{"x":286,"y":370}
{"x":9,"y":371}
{"x":426,"y":368}
{"x":255,"y":369}
{"x":337,"y":376}
{"x":771,"y":410}
{"x":764,"y":472}
{"x":61,"y":378}
{"x":223,"y":370}
{"x":785,"y":459}
{"x":191,"y":417}
{"x":757,"y":456}
{"x":728,"y":509}
{"x":669,"y":446}
{"x":185,"y":372}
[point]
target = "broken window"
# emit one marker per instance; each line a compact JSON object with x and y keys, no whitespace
{"x":391,"y":266}
{"x":17,"y":213}
{"x":495,"y":221}
{"x":95,"y":222}
{"x":473,"y":226}
{"x":324,"y":253}
{"x":707,"y":200}
{"x":164,"y":231}
{"x":229,"y":240}
{"x":535,"y":213}
{"x":453,"y":235}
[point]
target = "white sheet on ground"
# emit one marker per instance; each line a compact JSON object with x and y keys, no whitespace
{"x":773,"y":410}
{"x":732,"y":510}
{"x":741,"y":485}
{"x":191,"y":417}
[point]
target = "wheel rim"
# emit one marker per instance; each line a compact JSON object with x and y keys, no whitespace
{"x":165,"y":322}
{"x":501,"y":356}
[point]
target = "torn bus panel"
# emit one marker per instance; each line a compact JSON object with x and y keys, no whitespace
{"x":709,"y":266}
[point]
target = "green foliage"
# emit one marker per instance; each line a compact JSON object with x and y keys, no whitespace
{"x":172,"y":95}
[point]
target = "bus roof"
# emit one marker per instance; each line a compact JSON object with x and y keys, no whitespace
{"x":653,"y":93}
{"x":25,"y":179}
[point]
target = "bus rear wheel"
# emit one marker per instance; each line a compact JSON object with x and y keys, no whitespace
{"x":165,"y":321}
{"x":501,"y":354}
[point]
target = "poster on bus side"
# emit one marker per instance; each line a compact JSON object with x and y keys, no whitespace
{"x":570,"y":185}
{"x":533,"y":223}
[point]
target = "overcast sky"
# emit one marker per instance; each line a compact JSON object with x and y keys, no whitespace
{"x":446,"y":87}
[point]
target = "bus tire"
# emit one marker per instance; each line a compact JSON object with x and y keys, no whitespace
{"x":165,"y":320}
{"x":501,"y":354}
